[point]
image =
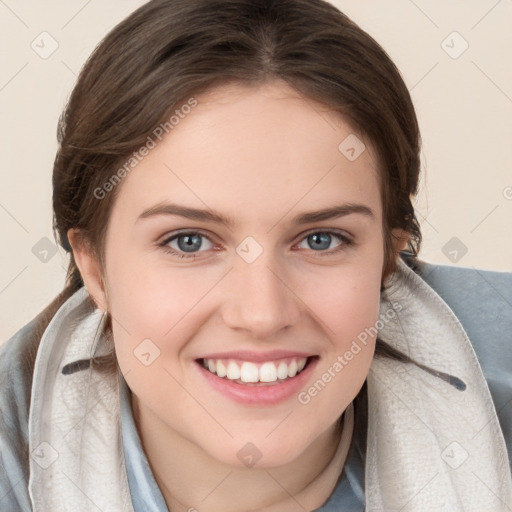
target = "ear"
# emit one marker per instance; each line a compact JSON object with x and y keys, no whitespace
{"x":89,"y":268}
{"x":400,"y":239}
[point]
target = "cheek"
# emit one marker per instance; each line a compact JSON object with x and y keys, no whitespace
{"x":156,"y":311}
{"x":343,"y":370}
{"x":347,"y":306}
{"x":348,"y":303}
{"x":346,"y":299}
{"x":150,"y":299}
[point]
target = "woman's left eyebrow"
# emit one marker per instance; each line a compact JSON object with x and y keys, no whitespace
{"x":333,"y":212}
{"x":208,"y":215}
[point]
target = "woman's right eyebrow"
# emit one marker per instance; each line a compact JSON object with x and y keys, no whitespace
{"x":208,"y":215}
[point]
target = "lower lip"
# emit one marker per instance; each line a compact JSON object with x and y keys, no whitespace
{"x":262,"y":394}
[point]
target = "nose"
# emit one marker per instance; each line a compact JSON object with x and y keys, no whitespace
{"x":260,"y":300}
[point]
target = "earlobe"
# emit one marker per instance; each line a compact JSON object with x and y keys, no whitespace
{"x":89,"y":268}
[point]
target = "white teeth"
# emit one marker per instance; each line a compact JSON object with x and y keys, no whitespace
{"x":282,"y":370}
{"x":221,"y":369}
{"x":233,"y":372}
{"x":251,"y":372}
{"x":292,"y":369}
{"x":268,"y":372}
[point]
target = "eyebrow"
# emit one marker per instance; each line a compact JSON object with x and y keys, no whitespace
{"x":208,"y":215}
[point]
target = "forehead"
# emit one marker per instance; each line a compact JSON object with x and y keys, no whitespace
{"x":242,"y":149}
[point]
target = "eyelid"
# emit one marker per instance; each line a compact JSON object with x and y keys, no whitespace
{"x":174,"y":234}
{"x":330,"y":231}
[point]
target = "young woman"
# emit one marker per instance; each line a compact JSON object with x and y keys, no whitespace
{"x":242,"y":328}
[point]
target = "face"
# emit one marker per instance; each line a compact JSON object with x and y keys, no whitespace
{"x":247,"y":241}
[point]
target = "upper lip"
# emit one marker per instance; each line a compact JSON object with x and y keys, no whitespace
{"x":257,"y":357}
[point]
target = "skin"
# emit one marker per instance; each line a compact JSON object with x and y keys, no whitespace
{"x":259,"y":155}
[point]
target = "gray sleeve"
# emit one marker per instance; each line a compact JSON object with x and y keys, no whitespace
{"x":15,"y":386}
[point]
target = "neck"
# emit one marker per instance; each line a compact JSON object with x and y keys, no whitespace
{"x":190,"y":480}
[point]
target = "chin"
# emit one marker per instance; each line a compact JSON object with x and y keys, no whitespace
{"x":264,"y":454}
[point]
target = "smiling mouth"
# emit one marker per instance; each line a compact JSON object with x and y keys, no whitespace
{"x":248,"y":373}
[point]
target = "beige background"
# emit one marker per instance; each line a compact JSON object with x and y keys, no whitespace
{"x":463,"y":101}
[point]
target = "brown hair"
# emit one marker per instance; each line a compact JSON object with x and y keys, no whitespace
{"x":169,"y":50}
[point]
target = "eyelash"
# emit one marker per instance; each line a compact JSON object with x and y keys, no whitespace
{"x":346,"y":243}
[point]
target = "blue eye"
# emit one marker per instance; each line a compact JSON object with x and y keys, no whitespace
{"x":321,"y":240}
{"x":186,"y":243}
